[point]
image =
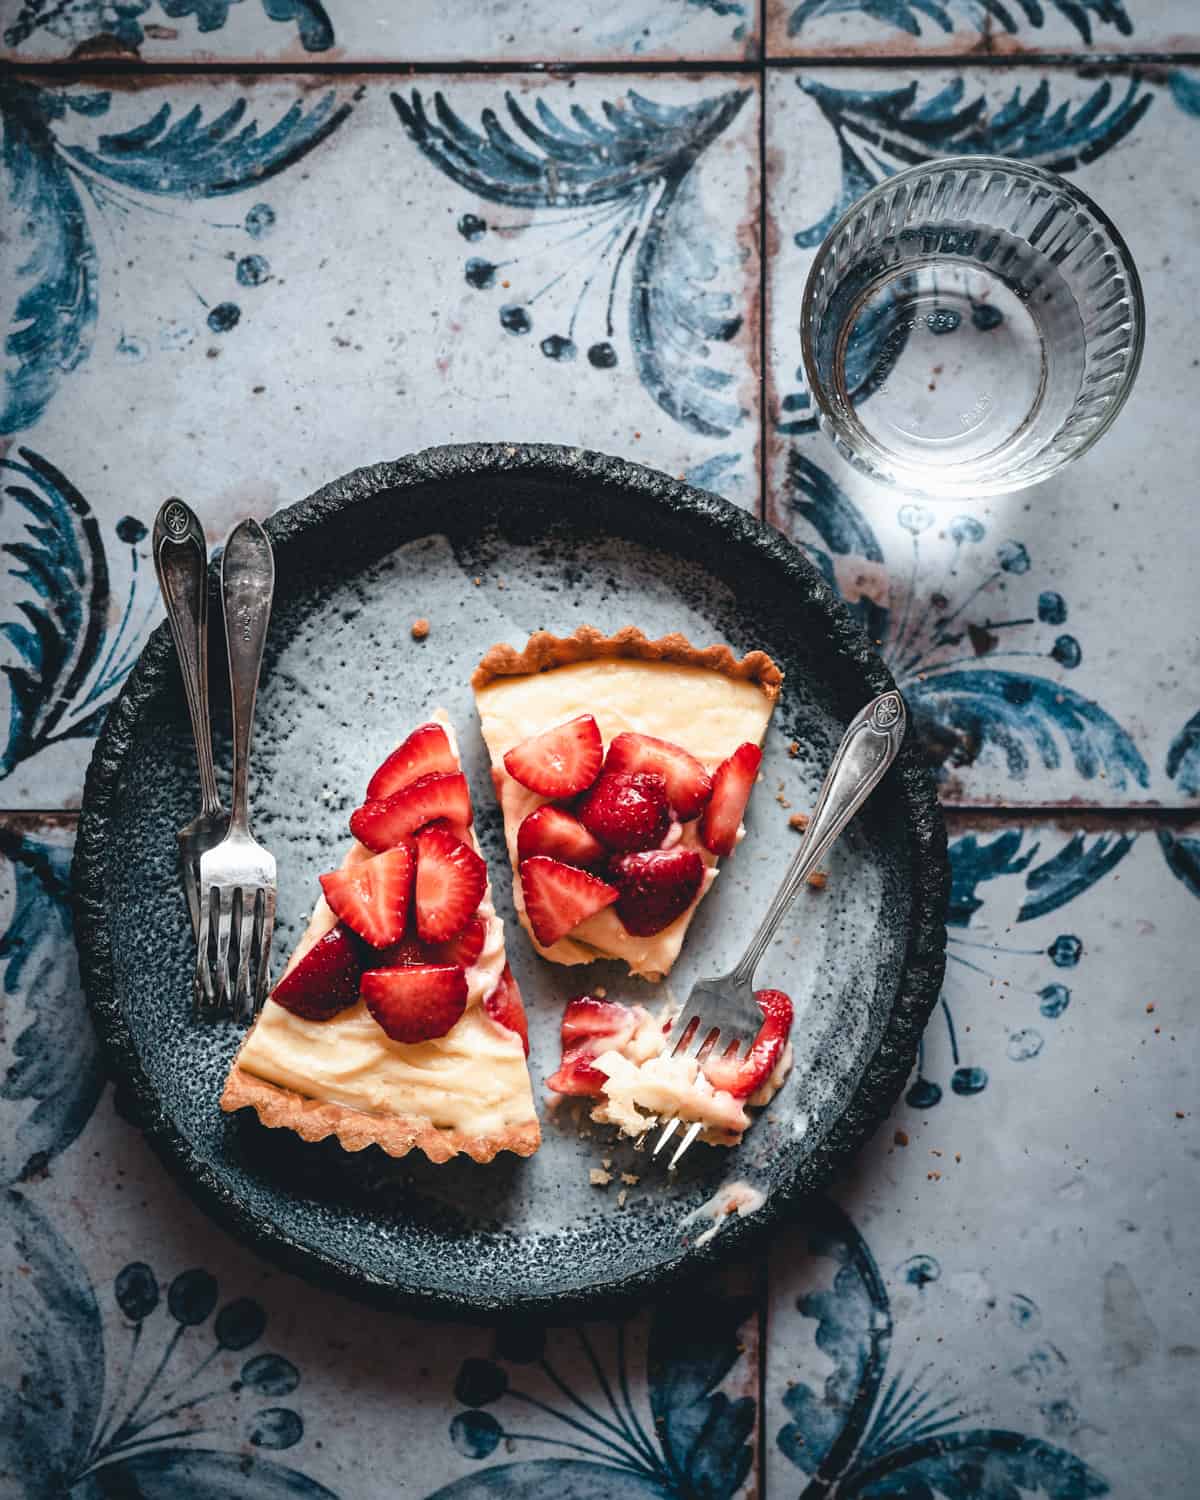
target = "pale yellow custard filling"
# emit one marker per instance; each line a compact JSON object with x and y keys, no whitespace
{"x":706,"y":713}
{"x":474,"y":1079}
{"x":644,"y":1087}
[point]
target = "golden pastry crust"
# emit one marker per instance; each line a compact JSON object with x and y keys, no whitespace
{"x":283,"y":1109}
{"x":544,"y":652}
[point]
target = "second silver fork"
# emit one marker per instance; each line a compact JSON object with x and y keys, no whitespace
{"x":237,"y":877}
{"x":722,"y":1014}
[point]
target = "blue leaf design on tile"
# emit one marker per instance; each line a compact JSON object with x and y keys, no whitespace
{"x":192,"y":158}
{"x":1185,"y":90}
{"x":705,"y":1436}
{"x":69,"y":657}
{"x":881,"y":131}
{"x":1010,"y":15}
{"x":1023,"y":718}
{"x":55,"y":1077}
{"x":51,"y":1429}
{"x":1077,"y":866}
{"x":1182,"y":854}
{"x":615,"y":184}
{"x":845,"y":531}
{"x":50,"y":1402}
{"x":858,"y":1437}
{"x":1183,"y":757}
{"x":974,"y":860}
{"x":56,"y":278}
{"x":86,"y":20}
{"x":198,"y":1474}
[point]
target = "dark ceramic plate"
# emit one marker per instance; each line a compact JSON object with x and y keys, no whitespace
{"x":491,"y":542}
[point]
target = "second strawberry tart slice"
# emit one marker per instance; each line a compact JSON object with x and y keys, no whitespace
{"x":397,"y":1021}
{"x":622,"y":766}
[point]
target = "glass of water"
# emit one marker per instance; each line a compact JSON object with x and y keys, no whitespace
{"x":970,"y":326}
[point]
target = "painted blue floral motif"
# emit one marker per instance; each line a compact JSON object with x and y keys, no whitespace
{"x":56,"y":281}
{"x":1051,"y":885}
{"x":697,"y":1445}
{"x":70,"y":658}
{"x":603,"y":195}
{"x":948,"y":15}
{"x":1182,"y":850}
{"x":868,"y":1436}
{"x":944,"y":653}
{"x":75,"y":1420}
{"x":54,"y":1075}
{"x":122,"y":20}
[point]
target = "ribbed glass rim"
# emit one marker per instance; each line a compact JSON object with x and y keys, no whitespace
{"x":847,"y":438}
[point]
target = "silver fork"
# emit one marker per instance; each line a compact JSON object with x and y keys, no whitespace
{"x":722,"y":1013}
{"x":181,"y":562}
{"x":237,"y":878}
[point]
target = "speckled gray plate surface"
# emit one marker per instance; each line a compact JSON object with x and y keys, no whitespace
{"x":491,"y":542}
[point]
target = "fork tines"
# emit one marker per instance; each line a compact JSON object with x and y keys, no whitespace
{"x":233,"y":947}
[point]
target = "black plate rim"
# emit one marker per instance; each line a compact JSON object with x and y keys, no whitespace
{"x":917,"y":992}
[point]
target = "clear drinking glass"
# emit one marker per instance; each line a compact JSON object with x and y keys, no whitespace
{"x":969,"y":326}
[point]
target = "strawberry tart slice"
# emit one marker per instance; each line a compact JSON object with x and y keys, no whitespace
{"x":613,"y":1053}
{"x":397,"y":1021}
{"x":623,"y":767}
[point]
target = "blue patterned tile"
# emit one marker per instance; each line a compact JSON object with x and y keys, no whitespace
{"x":999,"y":28}
{"x":305,"y":31}
{"x":201,"y":272}
{"x":1043,"y":638}
{"x":999,"y":1283}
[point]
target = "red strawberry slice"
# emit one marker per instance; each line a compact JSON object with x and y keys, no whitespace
{"x":325,"y":980}
{"x":656,"y":885}
{"x":382,"y":824}
{"x":558,"y":897}
{"x":463,"y":949}
{"x":689,"y":785}
{"x":372,"y":896}
{"x":451,"y":880}
{"x":506,"y":1008}
{"x":732,"y":784}
{"x":426,"y":752}
{"x":558,"y":762}
{"x":554,"y":832}
{"x":745,"y":1077}
{"x":590,"y":1027}
{"x":415,"y":1003}
{"x":410,"y":951}
{"x":627,"y":810}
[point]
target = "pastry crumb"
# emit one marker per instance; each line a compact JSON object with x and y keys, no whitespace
{"x":606,"y":1163}
{"x":630,"y":1179}
{"x":818,"y":880}
{"x":420,"y":629}
{"x":598,"y":1177}
{"x":798,"y":821}
{"x":794,"y":749}
{"x":782,"y":800}
{"x":600,"y":992}
{"x":621,"y":1197}
{"x":901,"y":1138}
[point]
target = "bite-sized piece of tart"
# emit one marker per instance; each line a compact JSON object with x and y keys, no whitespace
{"x":622,"y":766}
{"x":613,"y":1053}
{"x":397,"y":1021}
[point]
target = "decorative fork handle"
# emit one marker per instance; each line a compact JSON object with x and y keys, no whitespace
{"x":868,"y":748}
{"x":247,"y":586}
{"x":181,"y":562}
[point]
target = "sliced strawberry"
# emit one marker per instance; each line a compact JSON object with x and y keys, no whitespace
{"x":382,"y":824}
{"x":415,"y":1003}
{"x":745,"y":1077}
{"x":732,"y":784}
{"x":558,"y":897}
{"x":325,"y":980}
{"x":506,"y":1008}
{"x":426,"y":752}
{"x":372,"y":896}
{"x":554,"y":832}
{"x":463,"y":949}
{"x":689,"y":785}
{"x":558,"y":762}
{"x":656,"y":885}
{"x":451,"y":880}
{"x":410,"y":951}
{"x":627,"y":810}
{"x":590,"y":1027}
